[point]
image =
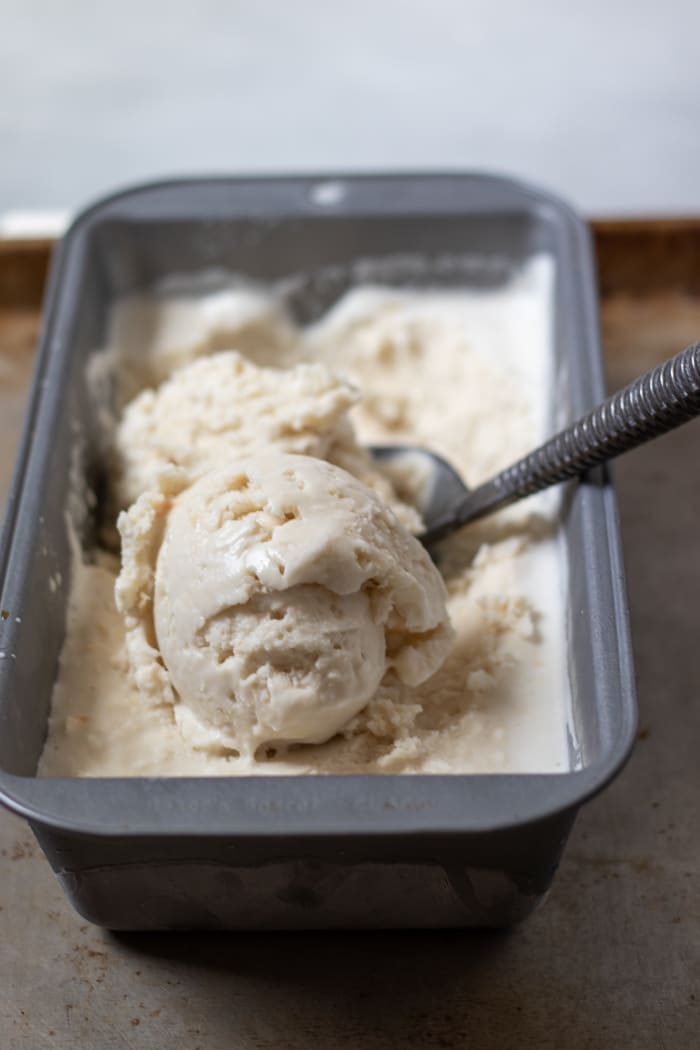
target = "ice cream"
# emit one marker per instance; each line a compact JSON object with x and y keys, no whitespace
{"x":221,"y":405}
{"x":267,"y":602}
{"x":468,"y":373}
{"x":249,"y":320}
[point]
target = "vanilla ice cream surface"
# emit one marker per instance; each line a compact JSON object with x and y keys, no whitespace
{"x":278,"y":594}
{"x":220,"y":403}
{"x":305,"y":629}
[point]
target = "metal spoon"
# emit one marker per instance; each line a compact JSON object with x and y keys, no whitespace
{"x":657,"y":402}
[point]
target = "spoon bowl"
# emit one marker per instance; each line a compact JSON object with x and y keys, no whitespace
{"x":435,"y":487}
{"x":659,"y":401}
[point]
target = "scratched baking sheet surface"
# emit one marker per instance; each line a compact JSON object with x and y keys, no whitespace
{"x":612,"y":959}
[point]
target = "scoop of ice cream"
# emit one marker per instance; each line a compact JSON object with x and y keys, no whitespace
{"x":223,"y":407}
{"x":273,"y":596}
{"x":151,"y":336}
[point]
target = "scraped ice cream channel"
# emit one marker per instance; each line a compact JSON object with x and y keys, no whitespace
{"x":208,"y":379}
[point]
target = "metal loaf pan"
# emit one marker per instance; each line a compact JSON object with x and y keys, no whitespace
{"x":299,"y":852}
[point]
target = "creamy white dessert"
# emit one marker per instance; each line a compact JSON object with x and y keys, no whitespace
{"x":220,"y":403}
{"x":467,"y":373}
{"x":266,"y":603}
{"x":223,"y":405}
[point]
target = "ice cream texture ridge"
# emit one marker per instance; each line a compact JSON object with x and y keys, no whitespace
{"x":265,"y":605}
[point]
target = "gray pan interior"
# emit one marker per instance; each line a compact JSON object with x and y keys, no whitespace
{"x":268,"y":229}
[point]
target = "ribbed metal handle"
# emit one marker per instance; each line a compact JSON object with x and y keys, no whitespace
{"x":660,"y":400}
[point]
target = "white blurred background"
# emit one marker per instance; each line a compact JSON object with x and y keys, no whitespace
{"x":599,"y":101}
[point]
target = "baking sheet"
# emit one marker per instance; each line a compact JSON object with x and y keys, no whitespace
{"x":612,"y":959}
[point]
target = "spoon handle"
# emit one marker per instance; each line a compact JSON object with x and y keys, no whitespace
{"x":658,"y":401}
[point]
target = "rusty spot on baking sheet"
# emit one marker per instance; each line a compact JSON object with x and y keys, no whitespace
{"x":640,"y":865}
{"x":4,"y":614}
{"x":135,"y":1021}
{"x":644,"y":733}
{"x":20,"y":850}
